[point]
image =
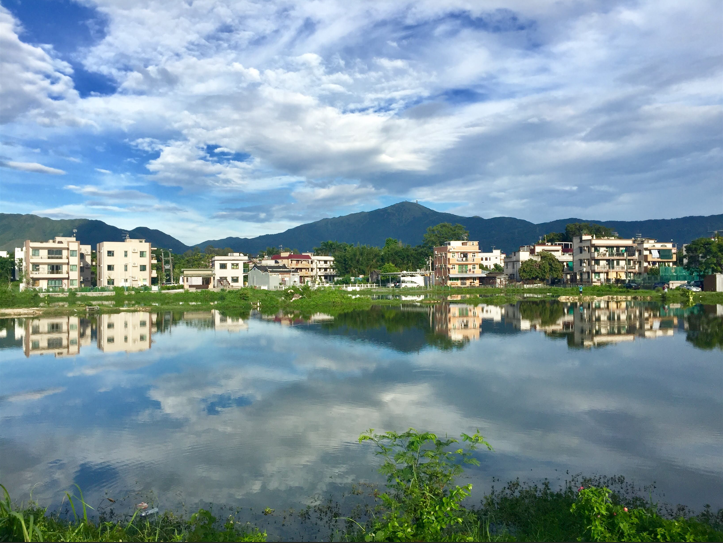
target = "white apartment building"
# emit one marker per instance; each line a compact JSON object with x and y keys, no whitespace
{"x":489,"y":260}
{"x":562,"y":251}
{"x":59,"y":263}
{"x":128,"y":263}
{"x":59,"y":336}
{"x":323,"y":268}
{"x":228,"y":271}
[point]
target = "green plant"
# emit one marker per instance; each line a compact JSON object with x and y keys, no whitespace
{"x":421,"y":502}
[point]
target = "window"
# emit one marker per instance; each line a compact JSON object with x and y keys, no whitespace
{"x":73,"y":341}
{"x":55,"y":283}
{"x":111,"y":267}
{"x":73,"y":253}
{"x":110,"y":253}
{"x":143,"y":267}
{"x":143,"y":254}
{"x":234,"y":279}
{"x":222,"y":266}
{"x":110,"y":339}
{"x":125,"y":254}
{"x":55,"y":343}
{"x":111,"y":282}
{"x":125,"y":339}
{"x":234,"y":266}
{"x":111,"y":325}
{"x":54,"y":327}
{"x":73,"y":282}
{"x":35,"y":252}
{"x":55,"y":269}
{"x":142,"y":324}
{"x":82,"y":256}
{"x":73,"y":327}
{"x":36,"y":267}
{"x":36,"y":328}
{"x":125,"y":267}
{"x":73,"y":267}
{"x":55,"y":253}
{"x":143,"y":337}
{"x":35,"y":344}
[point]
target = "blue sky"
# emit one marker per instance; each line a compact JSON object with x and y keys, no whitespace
{"x":209,"y":119}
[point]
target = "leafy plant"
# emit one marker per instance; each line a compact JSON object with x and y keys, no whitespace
{"x":422,"y":503}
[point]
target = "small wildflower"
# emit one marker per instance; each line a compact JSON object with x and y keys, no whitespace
{"x":625,"y":509}
{"x":580,"y":489}
{"x":615,"y":514}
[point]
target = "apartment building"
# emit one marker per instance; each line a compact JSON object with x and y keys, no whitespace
{"x":59,"y":263}
{"x":458,"y":264}
{"x":607,"y":260}
{"x":302,"y":263}
{"x":323,"y":268}
{"x":128,"y":263}
{"x":562,"y":251}
{"x":228,"y":271}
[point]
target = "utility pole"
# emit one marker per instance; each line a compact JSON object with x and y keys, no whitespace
{"x":170,"y":257}
{"x":163,"y":267}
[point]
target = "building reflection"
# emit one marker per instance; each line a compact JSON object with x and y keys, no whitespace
{"x":463,"y":322}
{"x":65,"y":335}
{"x":228,"y":323}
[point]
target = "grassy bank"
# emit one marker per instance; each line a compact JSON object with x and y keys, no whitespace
{"x":305,"y":301}
{"x":420,"y":502}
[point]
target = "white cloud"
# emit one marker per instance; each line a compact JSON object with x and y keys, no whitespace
{"x":33,"y":167}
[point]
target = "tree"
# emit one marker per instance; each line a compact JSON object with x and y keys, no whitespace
{"x":654,"y":271}
{"x":436,"y":236}
{"x":705,"y":255}
{"x":547,"y":267}
{"x":389,"y":268}
{"x":7,"y":265}
{"x":578,"y":229}
{"x":331,"y":248}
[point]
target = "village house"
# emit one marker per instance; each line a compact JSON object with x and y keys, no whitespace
{"x":59,"y":263}
{"x":273,"y":277}
{"x":459,"y":264}
{"x":128,"y":263}
{"x":228,"y":270}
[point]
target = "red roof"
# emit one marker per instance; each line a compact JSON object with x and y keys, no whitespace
{"x":295,"y":257}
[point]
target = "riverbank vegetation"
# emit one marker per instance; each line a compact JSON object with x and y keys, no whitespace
{"x":421,"y":501}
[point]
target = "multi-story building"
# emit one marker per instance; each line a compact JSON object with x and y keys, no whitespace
{"x":273,"y":277}
{"x":59,"y":263}
{"x":128,"y":263}
{"x":128,"y":332}
{"x":463,"y":322}
{"x":458,"y":264}
{"x":228,"y":271}
{"x":301,"y":263}
{"x":607,"y":260}
{"x":323,"y":268}
{"x":562,"y":251}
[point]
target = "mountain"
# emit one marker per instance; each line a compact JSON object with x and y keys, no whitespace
{"x":409,"y":221}
{"x":406,"y":221}
{"x":15,"y":229}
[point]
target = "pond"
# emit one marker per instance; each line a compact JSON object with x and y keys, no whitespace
{"x":257,"y":411}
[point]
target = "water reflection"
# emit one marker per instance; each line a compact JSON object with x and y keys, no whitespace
{"x":263,"y":411}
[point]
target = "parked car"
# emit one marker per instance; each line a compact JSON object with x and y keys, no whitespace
{"x":632,"y":285}
{"x":691,"y":287}
{"x":698,"y":284}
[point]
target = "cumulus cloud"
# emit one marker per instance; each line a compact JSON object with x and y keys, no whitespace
{"x":32,"y":167}
{"x":495,"y":108}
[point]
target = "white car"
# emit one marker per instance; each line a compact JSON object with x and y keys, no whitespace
{"x":691,"y":288}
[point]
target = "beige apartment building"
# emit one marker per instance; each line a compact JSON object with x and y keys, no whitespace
{"x":459,"y":264}
{"x":607,"y":260}
{"x":59,"y":263}
{"x":228,"y":271}
{"x":127,"y":332}
{"x":128,"y":263}
{"x":302,"y":264}
{"x":463,"y":322}
{"x":323,"y":268}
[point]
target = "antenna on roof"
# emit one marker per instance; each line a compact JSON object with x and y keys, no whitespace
{"x":75,"y":231}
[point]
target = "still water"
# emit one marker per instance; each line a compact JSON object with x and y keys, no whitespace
{"x":257,"y":411}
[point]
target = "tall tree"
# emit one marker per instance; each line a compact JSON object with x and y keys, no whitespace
{"x":548,"y":267}
{"x":438,"y":235}
{"x":705,"y":255}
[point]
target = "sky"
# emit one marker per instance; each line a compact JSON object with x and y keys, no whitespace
{"x":208,"y":119}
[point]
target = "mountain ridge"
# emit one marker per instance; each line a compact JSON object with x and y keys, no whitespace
{"x":406,"y":221}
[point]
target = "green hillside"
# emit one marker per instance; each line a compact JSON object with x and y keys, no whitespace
{"x":15,"y":229}
{"x":409,"y":221}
